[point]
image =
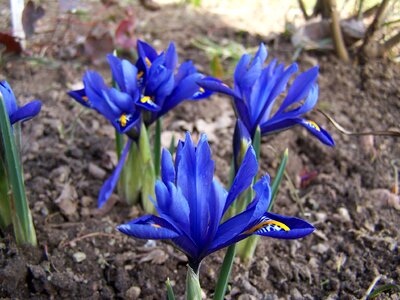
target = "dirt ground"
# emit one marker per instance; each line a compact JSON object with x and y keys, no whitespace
{"x":68,"y":152}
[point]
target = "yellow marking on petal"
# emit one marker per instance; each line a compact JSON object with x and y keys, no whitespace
{"x":265,"y":223}
{"x":201,"y":90}
{"x":148,"y":62}
{"x":145,"y":99}
{"x":313,"y":125}
{"x":155,"y":225}
{"x":85,"y":98}
{"x":140,"y":75}
{"x":123,"y":119}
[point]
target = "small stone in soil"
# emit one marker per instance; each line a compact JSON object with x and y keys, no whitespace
{"x":133,"y":292}
{"x":79,"y":257}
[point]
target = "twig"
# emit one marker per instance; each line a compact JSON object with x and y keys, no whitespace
{"x":375,"y":25}
{"x":341,"y":129}
{"x":303,"y":9}
{"x":337,"y":36}
{"x":89,"y":235}
{"x":390,"y":43}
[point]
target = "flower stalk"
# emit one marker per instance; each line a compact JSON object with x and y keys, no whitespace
{"x":193,"y":289}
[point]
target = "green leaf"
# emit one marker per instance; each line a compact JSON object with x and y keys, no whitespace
{"x":157,"y":147}
{"x":21,"y":216}
{"x":170,"y":291}
{"x":383,"y":289}
{"x":278,"y":178}
{"x":216,"y":67}
{"x":147,"y":168}
{"x":172,"y":145}
{"x":5,"y":211}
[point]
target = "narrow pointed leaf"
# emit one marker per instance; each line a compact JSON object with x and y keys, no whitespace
{"x":278,"y":178}
{"x":22,"y":218}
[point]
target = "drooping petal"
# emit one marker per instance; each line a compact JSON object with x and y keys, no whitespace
{"x":216,"y":86}
{"x":277,"y":226}
{"x":111,"y":182}
{"x":185,"y":90}
{"x":80,"y":96}
{"x":231,"y":230}
{"x":244,"y":176}
{"x":147,"y":103}
{"x":318,"y":132}
{"x":185,"y":69}
{"x":202,"y":93}
{"x":26,"y":112}
{"x":149,"y":227}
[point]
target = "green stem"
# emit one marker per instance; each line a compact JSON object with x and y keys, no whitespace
{"x":119,"y":143}
{"x":157,"y":147}
{"x":193,"y":289}
{"x":225,"y":273}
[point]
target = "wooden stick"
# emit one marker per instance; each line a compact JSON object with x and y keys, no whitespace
{"x":337,"y":36}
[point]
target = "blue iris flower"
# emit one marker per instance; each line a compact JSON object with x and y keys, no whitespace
{"x":256,"y":90}
{"x":191,"y":205}
{"x":148,"y":89}
{"x":18,"y":114}
{"x":122,"y":106}
{"x":162,"y":83}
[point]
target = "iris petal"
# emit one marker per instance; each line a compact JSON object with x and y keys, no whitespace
{"x":26,"y":112}
{"x":111,"y":182}
{"x":277,"y":226}
{"x":167,"y":167}
{"x":80,"y":96}
{"x":145,"y":50}
{"x":244,"y":176}
{"x":149,"y":227}
{"x":8,"y":97}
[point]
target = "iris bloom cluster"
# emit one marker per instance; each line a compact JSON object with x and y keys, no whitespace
{"x":257,"y":89}
{"x":144,"y":91}
{"x":191,"y":205}
{"x":18,"y":114}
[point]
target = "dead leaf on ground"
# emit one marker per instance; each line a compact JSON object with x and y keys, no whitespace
{"x":67,"y":200}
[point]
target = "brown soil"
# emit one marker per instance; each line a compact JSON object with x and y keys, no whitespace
{"x":68,"y":152}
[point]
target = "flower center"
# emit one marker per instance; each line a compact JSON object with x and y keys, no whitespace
{"x":145,"y":99}
{"x":123,"y":119}
{"x":148,"y":62}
